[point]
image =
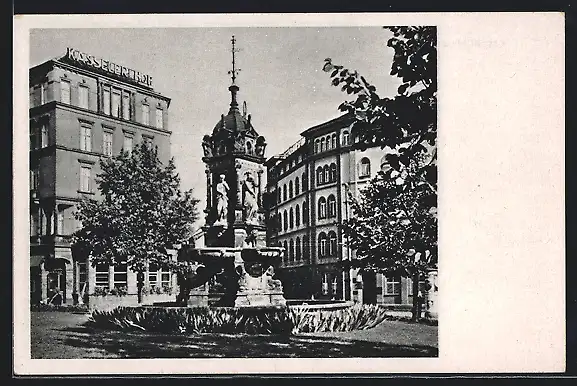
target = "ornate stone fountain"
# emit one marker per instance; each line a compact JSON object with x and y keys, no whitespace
{"x":233,"y":245}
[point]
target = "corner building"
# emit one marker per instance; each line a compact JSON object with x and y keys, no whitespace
{"x":81,"y":110}
{"x":307,"y":200}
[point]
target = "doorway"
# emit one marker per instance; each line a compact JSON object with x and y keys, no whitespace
{"x":56,"y":291}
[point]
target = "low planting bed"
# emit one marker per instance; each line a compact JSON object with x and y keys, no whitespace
{"x":257,"y":320}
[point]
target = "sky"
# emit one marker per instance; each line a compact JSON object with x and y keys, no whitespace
{"x":281,"y":77}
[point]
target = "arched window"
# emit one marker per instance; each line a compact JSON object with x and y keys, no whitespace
{"x":292,"y":250}
{"x":298,"y":249}
{"x":285,"y":223}
{"x":334,"y":140}
{"x":345,"y":138}
{"x":297,"y":187}
{"x":327,"y":173}
{"x":322,"y":208}
{"x":317,"y":148}
{"x":328,"y":142}
{"x":332,"y":206}
{"x":291,"y":218}
{"x":365,"y":168}
{"x":333,"y":173}
{"x":322,"y":244}
{"x":320,"y":176}
{"x":290,"y":189}
{"x":305,"y":182}
{"x":305,"y":213}
{"x":332,"y":243}
{"x":286,"y":251}
{"x":248,"y":147}
{"x":298,"y":215}
{"x":284,"y":192}
{"x":279,"y":222}
{"x":323,"y":144}
{"x":306,"y":252}
{"x":279,"y":196}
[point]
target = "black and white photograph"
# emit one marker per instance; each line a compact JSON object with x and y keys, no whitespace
{"x":174,"y":214}
{"x":263,"y":192}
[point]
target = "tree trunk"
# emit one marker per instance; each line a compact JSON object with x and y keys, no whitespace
{"x":416,"y":310}
{"x":139,"y":285}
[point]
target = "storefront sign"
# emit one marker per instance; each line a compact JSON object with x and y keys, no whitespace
{"x":108,"y":66}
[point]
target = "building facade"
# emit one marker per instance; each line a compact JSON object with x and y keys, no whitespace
{"x":307,"y":199}
{"x":82,"y":109}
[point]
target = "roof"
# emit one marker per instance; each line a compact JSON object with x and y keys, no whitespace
{"x":345,"y":118}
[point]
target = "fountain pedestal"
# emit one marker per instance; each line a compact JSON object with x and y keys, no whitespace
{"x":257,"y":285}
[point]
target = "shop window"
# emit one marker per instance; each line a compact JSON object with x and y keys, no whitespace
{"x":391,"y":285}
{"x":102,"y":276}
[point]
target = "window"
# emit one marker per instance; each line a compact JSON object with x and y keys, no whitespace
{"x":391,"y":285}
{"x":82,"y":275}
{"x":128,"y":140}
{"x":322,"y":244}
{"x":306,"y":247}
{"x":334,"y":140}
{"x":44,"y":136}
{"x":320,"y":176}
{"x":116,"y":103}
{"x":285,"y":221}
{"x":148,"y":141}
{"x":365,"y":168}
{"x":305,"y":213}
{"x":332,"y":243}
{"x":83,"y":97}
{"x":322,"y":208}
{"x":325,"y":284}
{"x":292,"y":250}
{"x":59,"y":222}
{"x":33,"y":138}
{"x":328,"y":142}
{"x":159,"y":119}
{"x":248,"y":147}
{"x":120,"y":274}
{"x":279,"y":196}
{"x":323,"y":144}
{"x":305,"y":182}
{"x":297,"y":215}
{"x":85,"y":138}
{"x":345,"y":138}
{"x":317,"y":146}
{"x":333,"y":173}
{"x":327,"y":174}
{"x":290,"y":189}
{"x":126,"y":105}
{"x":286,"y":251}
{"x":291,"y":218}
{"x":298,"y":249}
{"x":102,"y":275}
{"x":85,"y":185}
{"x":65,"y":92}
{"x":297,"y":187}
{"x":145,"y":114}
{"x":34,"y":176}
{"x":332,"y":206}
{"x":284,"y":192}
{"x":107,"y":143}
{"x":43,"y":93}
{"x":34,"y":224}
{"x":106,"y":101}
{"x":422,"y":285}
{"x":335,"y":285}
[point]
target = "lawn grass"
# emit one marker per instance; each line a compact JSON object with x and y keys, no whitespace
{"x":63,"y":335}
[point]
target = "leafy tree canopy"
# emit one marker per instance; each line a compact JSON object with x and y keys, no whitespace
{"x":142,"y":212}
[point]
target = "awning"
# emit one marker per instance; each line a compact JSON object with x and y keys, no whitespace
{"x":35,"y":261}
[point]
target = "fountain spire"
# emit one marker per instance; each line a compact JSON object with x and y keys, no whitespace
{"x":233,"y":88}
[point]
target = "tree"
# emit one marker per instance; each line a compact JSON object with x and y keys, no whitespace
{"x":141,"y":215}
{"x":394,"y":229}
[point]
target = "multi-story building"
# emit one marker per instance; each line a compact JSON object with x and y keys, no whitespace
{"x":83,"y":108}
{"x":307,"y":200}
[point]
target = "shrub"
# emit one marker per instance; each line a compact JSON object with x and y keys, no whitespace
{"x":258,"y":320}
